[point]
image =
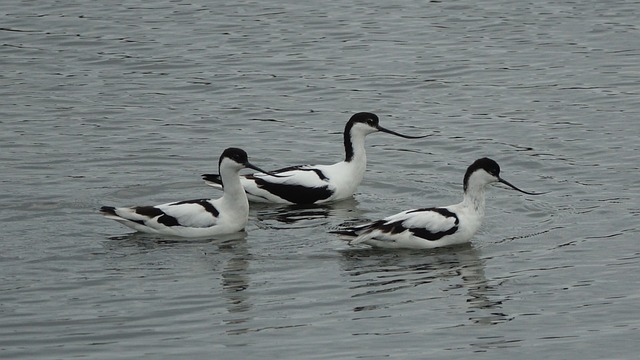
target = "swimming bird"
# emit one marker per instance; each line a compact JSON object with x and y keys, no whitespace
{"x":195,"y":218}
{"x":315,"y":184}
{"x":435,"y":226}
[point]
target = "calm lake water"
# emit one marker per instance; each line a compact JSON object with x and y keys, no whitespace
{"x":125,"y":103}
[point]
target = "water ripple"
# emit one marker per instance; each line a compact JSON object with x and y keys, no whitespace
{"x":129,"y":103}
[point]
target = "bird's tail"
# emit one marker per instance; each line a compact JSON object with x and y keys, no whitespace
{"x":212,"y":180}
{"x":108,"y":210}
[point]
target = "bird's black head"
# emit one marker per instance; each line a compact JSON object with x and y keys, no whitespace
{"x":238,"y":155}
{"x":493,"y":169}
{"x":486,"y":164}
{"x":366,"y":123}
{"x":368,"y":118}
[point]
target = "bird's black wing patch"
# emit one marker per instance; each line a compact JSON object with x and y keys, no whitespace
{"x":152,"y":211}
{"x":318,"y":172}
{"x":202,"y":202}
{"x":430,"y":235}
{"x":149,"y":211}
{"x":215,"y":178}
{"x":297,"y":194}
{"x":388,"y":227}
{"x":168,"y":220}
{"x":112,"y":211}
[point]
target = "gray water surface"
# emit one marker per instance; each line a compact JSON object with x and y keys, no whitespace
{"x":128,"y":103}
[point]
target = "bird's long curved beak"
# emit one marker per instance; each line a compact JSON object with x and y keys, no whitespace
{"x":251,"y":166}
{"x":380,"y":128}
{"x":515,"y":188}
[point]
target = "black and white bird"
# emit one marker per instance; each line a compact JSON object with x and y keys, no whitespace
{"x":315,"y":184}
{"x":195,"y":218}
{"x":435,"y":226}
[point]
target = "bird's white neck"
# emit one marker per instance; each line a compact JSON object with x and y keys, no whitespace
{"x":233,"y":190}
{"x":346,"y":175}
{"x":474,"y":199}
{"x":356,"y":158}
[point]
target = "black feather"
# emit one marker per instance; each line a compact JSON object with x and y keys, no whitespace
{"x":214,"y":178}
{"x":202,"y":202}
{"x":108,"y":210}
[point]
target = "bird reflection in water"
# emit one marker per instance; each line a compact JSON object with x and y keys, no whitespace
{"x":304,"y":215}
{"x":227,"y":256}
{"x":379,"y":272}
